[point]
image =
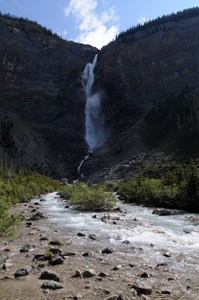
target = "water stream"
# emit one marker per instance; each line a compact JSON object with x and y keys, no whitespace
{"x":155,"y":234}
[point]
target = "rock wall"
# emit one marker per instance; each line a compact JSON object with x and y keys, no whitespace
{"x":42,"y":99}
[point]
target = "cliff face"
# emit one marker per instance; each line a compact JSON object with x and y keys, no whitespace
{"x":139,"y":74}
{"x":135,"y":76}
{"x":42,"y":100}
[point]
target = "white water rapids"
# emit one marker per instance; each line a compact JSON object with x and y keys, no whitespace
{"x":155,"y":234}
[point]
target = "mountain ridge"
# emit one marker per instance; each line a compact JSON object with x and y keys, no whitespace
{"x":42,"y":98}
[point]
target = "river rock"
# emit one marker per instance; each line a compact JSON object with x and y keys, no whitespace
{"x":166,"y":212}
{"x":68,"y":254}
{"x":38,"y":216}
{"x":40,"y":257}
{"x":167,"y":254}
{"x":49,"y":275}
{"x":117,"y":209}
{"x":142,"y":289}
{"x":44,"y":238}
{"x":165,"y":291}
{"x":25,"y":248}
{"x":116,"y":268}
{"x":23,"y":272}
{"x":92,"y":237}
{"x":52,"y":285}
{"x":161,"y":266}
{"x":89,"y":273}
{"x":107,"y":251}
{"x":55,"y":251}
{"x":28,"y":223}
{"x":55,"y":243}
{"x":81,"y":234}
{"x":144,"y":275}
{"x":86,"y":254}
{"x":126,"y":242}
{"x":102,"y":274}
{"x":56,"y":261}
{"x":7,"y":266}
{"x":78,"y":274}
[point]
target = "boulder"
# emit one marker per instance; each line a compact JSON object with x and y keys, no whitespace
{"x":52,"y":285}
{"x":55,"y":243}
{"x":56,"y":261}
{"x":142,"y":289}
{"x":49,"y":275}
{"x":89,"y":273}
{"x":92,"y":237}
{"x":78,"y":274}
{"x":107,"y":251}
{"x":23,"y":272}
{"x":166,"y":212}
{"x":81,"y":234}
{"x":25,"y":248}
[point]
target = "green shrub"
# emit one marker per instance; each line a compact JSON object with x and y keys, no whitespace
{"x":176,"y":187}
{"x":18,"y":184}
{"x":93,"y":198}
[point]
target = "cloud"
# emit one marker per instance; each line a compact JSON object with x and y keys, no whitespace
{"x":91,"y":24}
{"x":143,"y":20}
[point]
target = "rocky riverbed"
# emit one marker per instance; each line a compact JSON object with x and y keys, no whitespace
{"x":128,"y":253}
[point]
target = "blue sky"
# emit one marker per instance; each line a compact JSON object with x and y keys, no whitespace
{"x":94,"y":22}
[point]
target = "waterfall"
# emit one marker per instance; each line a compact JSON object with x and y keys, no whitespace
{"x":94,"y":121}
{"x":92,"y":108}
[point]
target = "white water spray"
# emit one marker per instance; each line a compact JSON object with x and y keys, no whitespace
{"x":94,"y":121}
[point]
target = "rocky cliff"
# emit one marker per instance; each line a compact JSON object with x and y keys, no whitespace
{"x":136,"y":74}
{"x":42,"y":99}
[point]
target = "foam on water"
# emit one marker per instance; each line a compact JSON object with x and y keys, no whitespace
{"x":163,"y":232}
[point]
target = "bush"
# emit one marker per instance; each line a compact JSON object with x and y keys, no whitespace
{"x":83,"y":197}
{"x":18,"y":184}
{"x":176,"y":187}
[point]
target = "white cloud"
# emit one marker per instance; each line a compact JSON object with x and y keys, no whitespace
{"x":92,"y":25}
{"x":143,"y":20}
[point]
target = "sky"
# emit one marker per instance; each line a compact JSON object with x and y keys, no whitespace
{"x":94,"y":22}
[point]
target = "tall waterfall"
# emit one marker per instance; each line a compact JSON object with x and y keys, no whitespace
{"x":94,"y":120}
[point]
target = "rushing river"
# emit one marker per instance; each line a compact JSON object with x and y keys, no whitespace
{"x":135,"y":227}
